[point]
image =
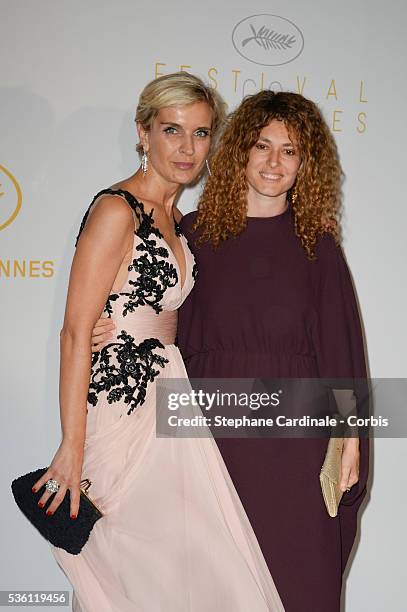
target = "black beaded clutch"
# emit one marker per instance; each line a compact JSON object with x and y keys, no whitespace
{"x":59,"y":528}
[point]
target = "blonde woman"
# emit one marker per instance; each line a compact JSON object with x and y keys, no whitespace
{"x":174,"y":535}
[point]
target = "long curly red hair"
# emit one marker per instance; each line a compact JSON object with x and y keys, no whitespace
{"x":222,"y":207}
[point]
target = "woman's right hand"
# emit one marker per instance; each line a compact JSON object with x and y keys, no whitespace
{"x":101,"y":333}
{"x":66,"y":469}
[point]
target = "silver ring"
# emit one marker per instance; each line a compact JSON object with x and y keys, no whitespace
{"x":52,"y":485}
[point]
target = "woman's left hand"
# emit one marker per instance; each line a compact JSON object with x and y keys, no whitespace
{"x":350,"y":463}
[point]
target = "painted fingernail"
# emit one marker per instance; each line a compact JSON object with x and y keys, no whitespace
{"x":73,"y":516}
{"x":34,"y":490}
{"x":49,"y":513}
{"x":41,"y":504}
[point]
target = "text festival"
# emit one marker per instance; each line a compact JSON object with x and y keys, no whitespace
{"x":235,"y":82}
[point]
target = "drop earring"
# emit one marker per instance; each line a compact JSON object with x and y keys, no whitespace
{"x":208,"y":168}
{"x":144,"y":162}
{"x":293,"y":194}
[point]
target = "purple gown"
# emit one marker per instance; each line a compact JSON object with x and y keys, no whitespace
{"x":260,"y":308}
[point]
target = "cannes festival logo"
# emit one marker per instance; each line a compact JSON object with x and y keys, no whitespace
{"x":10,"y":197}
{"x":268,"y":40}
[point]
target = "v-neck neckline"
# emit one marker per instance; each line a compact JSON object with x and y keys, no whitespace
{"x":176,"y":227}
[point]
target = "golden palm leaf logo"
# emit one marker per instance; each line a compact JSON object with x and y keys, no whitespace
{"x":10,"y":197}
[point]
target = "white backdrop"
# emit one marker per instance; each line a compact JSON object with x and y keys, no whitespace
{"x":71,"y":73}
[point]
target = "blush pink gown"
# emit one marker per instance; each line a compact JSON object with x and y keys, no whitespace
{"x":174,"y":536}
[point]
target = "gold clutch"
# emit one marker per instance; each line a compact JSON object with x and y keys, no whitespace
{"x":330,"y":475}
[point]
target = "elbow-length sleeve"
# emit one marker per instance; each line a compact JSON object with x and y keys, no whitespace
{"x":338,"y":342}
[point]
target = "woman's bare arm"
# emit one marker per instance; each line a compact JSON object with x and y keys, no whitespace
{"x":103,"y":244}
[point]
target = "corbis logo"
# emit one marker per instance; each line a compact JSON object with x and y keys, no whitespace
{"x":10,"y":197}
{"x":268,"y":40}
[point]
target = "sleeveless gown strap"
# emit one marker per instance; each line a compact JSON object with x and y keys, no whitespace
{"x":134,"y":204}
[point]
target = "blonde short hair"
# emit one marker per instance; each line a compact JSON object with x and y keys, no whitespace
{"x":177,"y":89}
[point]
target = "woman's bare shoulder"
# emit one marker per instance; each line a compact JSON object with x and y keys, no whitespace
{"x":110,"y":219}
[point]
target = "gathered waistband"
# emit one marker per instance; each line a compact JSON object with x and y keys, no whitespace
{"x":146,"y":323}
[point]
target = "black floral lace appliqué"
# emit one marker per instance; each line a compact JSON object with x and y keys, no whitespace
{"x":108,"y":306}
{"x":123,"y":369}
{"x":155,"y":275}
{"x":127,"y":379}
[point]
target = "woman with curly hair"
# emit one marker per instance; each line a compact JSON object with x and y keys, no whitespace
{"x":273,"y":298}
